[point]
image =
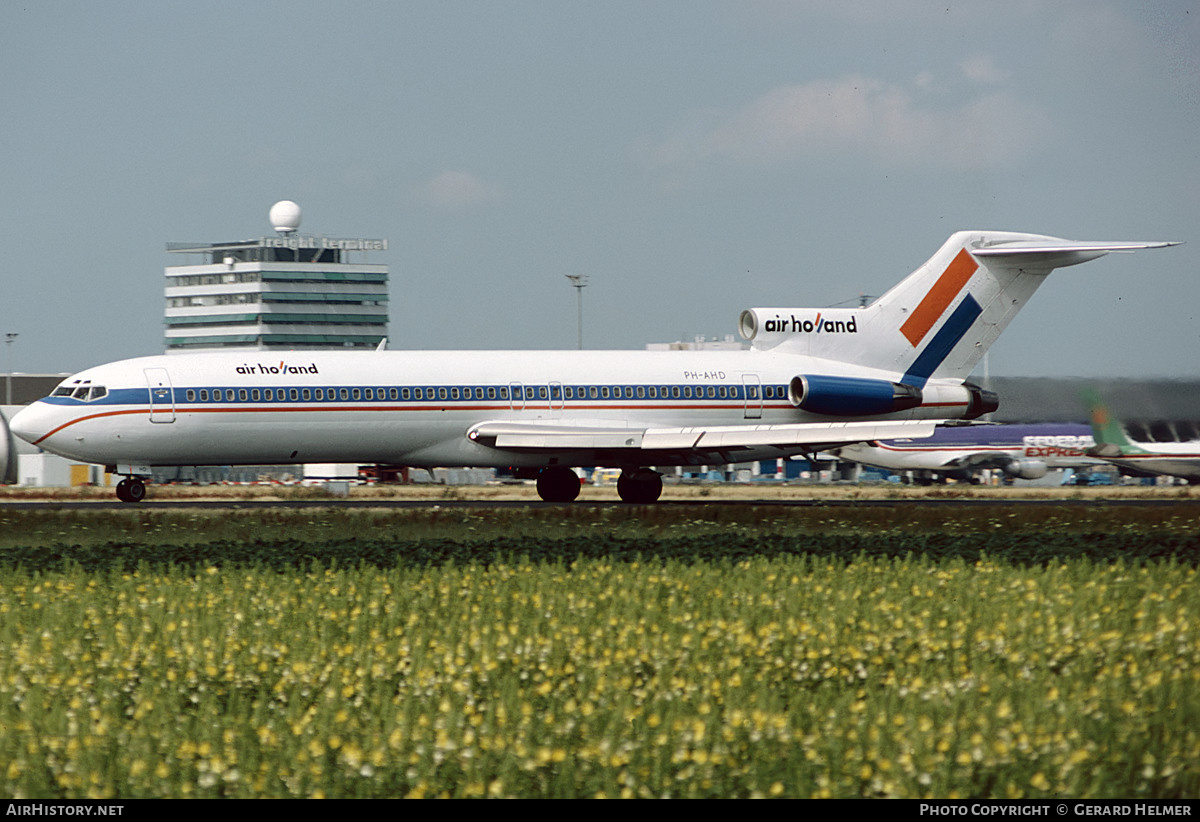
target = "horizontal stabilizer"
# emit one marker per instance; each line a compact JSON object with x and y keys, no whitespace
{"x":1056,"y":254}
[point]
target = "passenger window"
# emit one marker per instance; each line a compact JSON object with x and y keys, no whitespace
{"x":368,"y":393}
{"x":319,"y":394}
{"x":491,"y":393}
{"x":255,"y":394}
{"x":441,"y":393}
{"x":355,"y":394}
{"x":453,"y":393}
{"x":191,"y":395}
{"x":305,"y":395}
{"x":405,"y":394}
{"x":418,"y":394}
{"x":242,"y":395}
{"x":203,"y":395}
{"x":344,"y":393}
{"x":394,"y":394}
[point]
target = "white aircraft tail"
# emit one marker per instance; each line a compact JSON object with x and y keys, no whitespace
{"x":937,"y":322}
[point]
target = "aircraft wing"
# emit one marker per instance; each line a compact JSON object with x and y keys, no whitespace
{"x":702,"y":441}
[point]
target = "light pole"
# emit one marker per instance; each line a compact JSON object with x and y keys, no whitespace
{"x":579,"y":282}
{"x":8,"y":341}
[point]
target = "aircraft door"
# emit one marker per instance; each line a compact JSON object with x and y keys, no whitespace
{"x":162,"y":395}
{"x":516,"y":396}
{"x":752,"y":391}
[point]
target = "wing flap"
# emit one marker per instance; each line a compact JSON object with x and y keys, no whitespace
{"x":559,"y":437}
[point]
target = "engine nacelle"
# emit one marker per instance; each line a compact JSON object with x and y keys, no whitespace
{"x":851,"y":396}
{"x":1026,"y":469}
{"x":8,"y":453}
{"x":768,"y":327}
{"x":962,"y":401}
{"x":982,"y":401}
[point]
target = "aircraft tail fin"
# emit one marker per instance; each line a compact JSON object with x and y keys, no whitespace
{"x":1110,"y":437}
{"x":938,"y":321}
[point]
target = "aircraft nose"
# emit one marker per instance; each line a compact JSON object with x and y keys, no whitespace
{"x":29,"y":423}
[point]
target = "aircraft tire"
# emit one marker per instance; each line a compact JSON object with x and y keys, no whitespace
{"x":639,"y":487}
{"x":558,"y":484}
{"x":131,"y":490}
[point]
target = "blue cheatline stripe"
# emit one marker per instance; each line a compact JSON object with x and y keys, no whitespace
{"x":434,"y":395}
{"x":943,"y":342}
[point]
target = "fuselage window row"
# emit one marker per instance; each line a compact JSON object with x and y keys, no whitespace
{"x":463,"y":393}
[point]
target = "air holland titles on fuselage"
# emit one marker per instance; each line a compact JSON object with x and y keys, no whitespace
{"x":813,"y":379}
{"x":282,"y":368}
{"x":797,"y":325}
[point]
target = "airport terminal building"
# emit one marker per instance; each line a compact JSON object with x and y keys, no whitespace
{"x":288,"y":292}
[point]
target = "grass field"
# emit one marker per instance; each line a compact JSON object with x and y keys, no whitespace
{"x":682,"y":651}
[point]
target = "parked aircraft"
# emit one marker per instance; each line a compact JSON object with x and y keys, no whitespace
{"x":813,"y":379}
{"x":963,"y":451}
{"x":1173,"y":456}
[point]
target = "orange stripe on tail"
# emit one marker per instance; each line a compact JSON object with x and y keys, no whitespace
{"x":939,"y":297}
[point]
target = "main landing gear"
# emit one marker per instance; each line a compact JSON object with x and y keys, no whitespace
{"x":131,"y":489}
{"x":558,"y":484}
{"x":639,"y":485}
{"x":636,"y":485}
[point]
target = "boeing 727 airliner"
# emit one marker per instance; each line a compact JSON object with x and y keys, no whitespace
{"x":813,"y":379}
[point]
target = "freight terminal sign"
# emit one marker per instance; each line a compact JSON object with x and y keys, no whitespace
{"x":323,"y":243}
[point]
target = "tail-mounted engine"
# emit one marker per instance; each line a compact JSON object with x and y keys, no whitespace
{"x":862,"y":397}
{"x":851,"y":396}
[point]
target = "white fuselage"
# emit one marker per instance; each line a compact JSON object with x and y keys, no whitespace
{"x":1177,"y":459}
{"x":412,"y":408}
{"x":1055,"y":445}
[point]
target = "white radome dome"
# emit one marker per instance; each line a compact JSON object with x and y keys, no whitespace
{"x":285,"y":216}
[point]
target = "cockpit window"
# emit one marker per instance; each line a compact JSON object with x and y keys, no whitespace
{"x":81,"y":390}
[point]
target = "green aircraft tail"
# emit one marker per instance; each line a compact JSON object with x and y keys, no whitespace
{"x":1109,"y":435}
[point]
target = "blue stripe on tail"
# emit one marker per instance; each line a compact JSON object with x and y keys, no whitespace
{"x":948,"y":336}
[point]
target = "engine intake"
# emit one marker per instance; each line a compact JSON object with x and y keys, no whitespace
{"x":851,"y":396}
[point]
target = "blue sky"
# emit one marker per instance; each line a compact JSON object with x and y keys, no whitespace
{"x":692,"y":158}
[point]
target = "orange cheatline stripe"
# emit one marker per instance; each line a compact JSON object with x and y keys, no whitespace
{"x":939,"y":297}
